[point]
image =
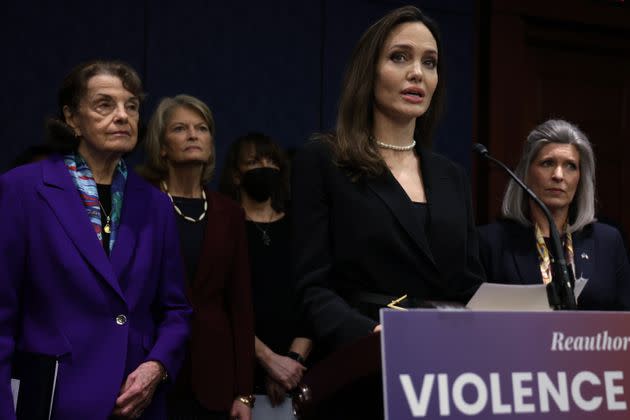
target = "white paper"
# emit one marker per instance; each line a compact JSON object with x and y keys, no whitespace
{"x":579,"y":286}
{"x":264,"y":411}
{"x":54,"y":389}
{"x":15,"y":389}
{"x":515,"y":297}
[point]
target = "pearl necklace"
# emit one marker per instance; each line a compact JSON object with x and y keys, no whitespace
{"x":394,"y":146}
{"x":178,"y":211}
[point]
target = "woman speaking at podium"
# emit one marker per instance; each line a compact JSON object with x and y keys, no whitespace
{"x":558,"y":165}
{"x":377,"y":214}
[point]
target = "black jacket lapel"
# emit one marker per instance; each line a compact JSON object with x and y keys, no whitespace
{"x":394,"y":197}
{"x":525,"y":254}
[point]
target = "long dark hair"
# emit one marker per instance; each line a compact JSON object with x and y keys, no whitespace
{"x":60,"y":137}
{"x":353,"y":146}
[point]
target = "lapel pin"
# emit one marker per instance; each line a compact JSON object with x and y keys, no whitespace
{"x":584,"y":256}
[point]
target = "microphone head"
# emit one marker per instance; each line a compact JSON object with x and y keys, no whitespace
{"x":480,"y":148}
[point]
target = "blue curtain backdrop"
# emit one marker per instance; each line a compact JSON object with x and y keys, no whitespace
{"x":275,"y":66}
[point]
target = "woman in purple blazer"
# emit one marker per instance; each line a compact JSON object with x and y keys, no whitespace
{"x":558,"y":164}
{"x":91,"y":269}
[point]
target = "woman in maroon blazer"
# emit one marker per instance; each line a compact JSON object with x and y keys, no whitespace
{"x":216,"y":381}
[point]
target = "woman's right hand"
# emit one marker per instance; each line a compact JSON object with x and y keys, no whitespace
{"x":284,"y":370}
{"x":240,"y":411}
{"x":138,"y":389}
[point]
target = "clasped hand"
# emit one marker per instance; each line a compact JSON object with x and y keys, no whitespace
{"x":137,"y":391}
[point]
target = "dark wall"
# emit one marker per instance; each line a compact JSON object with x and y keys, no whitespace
{"x":274,"y":66}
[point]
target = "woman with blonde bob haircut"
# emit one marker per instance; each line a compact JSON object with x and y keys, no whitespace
{"x":558,"y":165}
{"x":156,"y":166}
{"x":217,"y":378}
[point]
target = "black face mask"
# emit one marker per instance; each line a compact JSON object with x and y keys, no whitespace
{"x":259,"y":183}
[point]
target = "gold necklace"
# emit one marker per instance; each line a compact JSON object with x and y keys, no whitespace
{"x":178,"y":211}
{"x":107,"y":229}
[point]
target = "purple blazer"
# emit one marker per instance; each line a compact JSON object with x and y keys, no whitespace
{"x":61,"y":295}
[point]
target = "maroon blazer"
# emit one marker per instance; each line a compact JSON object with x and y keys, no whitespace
{"x":221,"y":362}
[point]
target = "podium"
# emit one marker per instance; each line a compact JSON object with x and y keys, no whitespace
{"x":343,"y":380}
{"x":482,"y":365}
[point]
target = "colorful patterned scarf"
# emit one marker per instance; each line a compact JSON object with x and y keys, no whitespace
{"x":545,"y":258}
{"x":86,"y":185}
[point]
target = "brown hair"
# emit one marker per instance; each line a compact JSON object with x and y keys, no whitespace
{"x":353,"y":146}
{"x":264,"y":146}
{"x":155,"y":168}
{"x":60,"y":136}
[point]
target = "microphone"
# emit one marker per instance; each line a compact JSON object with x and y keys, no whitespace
{"x":560,"y":289}
{"x":480,"y":148}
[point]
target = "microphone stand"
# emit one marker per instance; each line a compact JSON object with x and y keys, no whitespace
{"x":560,"y":289}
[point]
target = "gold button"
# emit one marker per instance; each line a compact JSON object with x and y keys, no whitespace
{"x":121,"y":319}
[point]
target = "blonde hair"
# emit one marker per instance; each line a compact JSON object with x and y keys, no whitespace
{"x":155,"y":168}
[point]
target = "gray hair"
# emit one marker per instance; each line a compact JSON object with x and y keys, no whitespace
{"x":582,"y":209}
{"x":155,"y":168}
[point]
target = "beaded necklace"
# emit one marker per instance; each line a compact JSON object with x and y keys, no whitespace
{"x":178,"y":211}
{"x":395,"y":147}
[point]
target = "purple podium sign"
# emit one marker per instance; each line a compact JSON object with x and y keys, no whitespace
{"x":508,"y":365}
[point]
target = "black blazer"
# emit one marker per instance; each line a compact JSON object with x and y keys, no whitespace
{"x":509,"y":255}
{"x":364,"y":236}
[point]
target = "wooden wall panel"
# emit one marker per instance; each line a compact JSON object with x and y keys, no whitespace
{"x":569,"y":60}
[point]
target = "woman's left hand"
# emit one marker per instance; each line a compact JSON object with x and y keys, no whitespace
{"x":284,"y":370}
{"x":275,"y":391}
{"x":137,"y":391}
{"x":240,"y":411}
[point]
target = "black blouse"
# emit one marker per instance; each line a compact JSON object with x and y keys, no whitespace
{"x":273,"y":290}
{"x":105,"y":198}
{"x":190,"y":234}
